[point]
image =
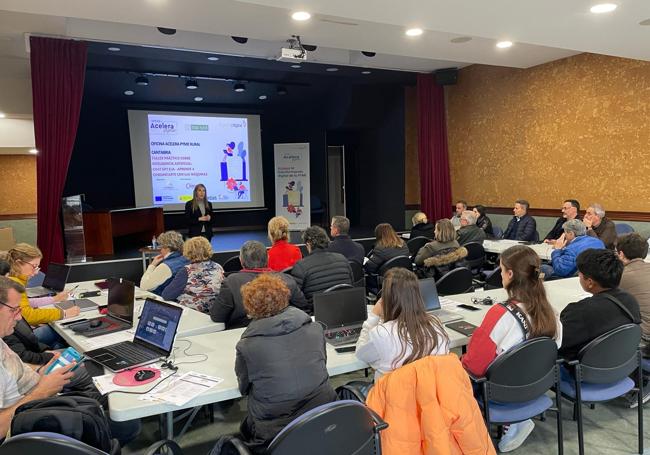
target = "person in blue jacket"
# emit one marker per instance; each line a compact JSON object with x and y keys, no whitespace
{"x":522,"y":226}
{"x":567,"y":248}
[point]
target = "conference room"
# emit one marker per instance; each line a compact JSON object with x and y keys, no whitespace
{"x":112,"y":118}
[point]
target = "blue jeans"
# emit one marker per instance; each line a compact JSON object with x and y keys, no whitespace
{"x":547,"y":270}
{"x":48,"y":336}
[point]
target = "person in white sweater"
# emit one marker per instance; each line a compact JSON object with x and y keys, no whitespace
{"x":399,"y":331}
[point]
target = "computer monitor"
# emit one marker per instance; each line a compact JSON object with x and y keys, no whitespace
{"x":56,"y":276}
{"x":342,"y":308}
{"x":158,"y":325}
{"x":429,"y":294}
{"x":121,"y":295}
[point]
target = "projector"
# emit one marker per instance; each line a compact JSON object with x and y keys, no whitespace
{"x":292,"y":55}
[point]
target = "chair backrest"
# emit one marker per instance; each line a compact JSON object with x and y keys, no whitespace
{"x":497,"y":231}
{"x":536,"y":237}
{"x":456,"y":281}
{"x":338,"y":287}
{"x":524,"y":372}
{"x":493,"y":279}
{"x":397,"y":261}
{"x":475,"y":255}
{"x":232,"y":265}
{"x":44,"y":442}
{"x":623,"y":228}
{"x":342,"y":427}
{"x":358,"y":275}
{"x":416,"y":243}
{"x":612,"y":356}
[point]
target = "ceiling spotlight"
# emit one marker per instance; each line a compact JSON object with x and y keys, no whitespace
{"x":2,"y":115}
{"x":366,"y":72}
{"x":301,"y":16}
{"x":240,"y":39}
{"x":282,"y":90}
{"x":262,"y":97}
{"x":33,"y":151}
{"x":239,"y":88}
{"x":114,"y":49}
{"x":191,"y":84}
{"x":129,"y":92}
{"x":504,"y":44}
{"x":166,"y":31}
{"x":368,"y":53}
{"x":296,"y":66}
{"x":198,"y":98}
{"x":213,"y":58}
{"x":142,"y":80}
{"x":603,"y":8}
{"x":461,"y":40}
{"x":414,"y":32}
{"x":310,"y":47}
{"x":331,"y":70}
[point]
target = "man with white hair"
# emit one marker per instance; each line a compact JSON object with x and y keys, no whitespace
{"x":600,"y":226}
{"x":469,"y":231}
{"x":567,"y":248}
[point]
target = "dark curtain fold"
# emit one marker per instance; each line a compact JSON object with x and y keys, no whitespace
{"x":435,"y":183}
{"x":58,"y":70}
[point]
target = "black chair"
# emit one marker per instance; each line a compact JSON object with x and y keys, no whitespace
{"x":515,"y":385}
{"x":475,"y":257}
{"x":358,"y":275}
{"x":602,"y":372}
{"x":493,"y":279}
{"x":232,"y":265}
{"x":338,"y":287}
{"x":457,"y":281}
{"x":416,"y":243}
{"x":536,"y":237}
{"x":497,"y":231}
{"x":397,"y":261}
{"x":623,"y":228}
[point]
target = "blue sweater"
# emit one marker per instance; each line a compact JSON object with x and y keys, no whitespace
{"x":564,"y":260}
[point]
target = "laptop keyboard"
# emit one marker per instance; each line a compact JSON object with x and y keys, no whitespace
{"x":128,"y":351}
{"x":342,"y":336}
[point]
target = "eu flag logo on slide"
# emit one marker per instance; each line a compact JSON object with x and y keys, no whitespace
{"x":158,"y":198}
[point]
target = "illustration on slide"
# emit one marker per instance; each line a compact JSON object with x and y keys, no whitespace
{"x":292,"y":197}
{"x":240,"y":188}
{"x":229,"y":168}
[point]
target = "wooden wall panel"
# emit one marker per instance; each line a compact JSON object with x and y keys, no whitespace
{"x":17,"y":185}
{"x":574,"y":128}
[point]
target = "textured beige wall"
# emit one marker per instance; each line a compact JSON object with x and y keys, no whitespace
{"x":18,"y":188}
{"x":578,"y":127}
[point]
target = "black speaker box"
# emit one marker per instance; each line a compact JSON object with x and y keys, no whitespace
{"x":448,"y":76}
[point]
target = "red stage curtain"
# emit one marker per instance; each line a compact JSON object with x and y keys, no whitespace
{"x":58,"y":70}
{"x":435,"y":183}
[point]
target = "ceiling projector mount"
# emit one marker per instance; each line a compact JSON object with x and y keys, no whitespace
{"x":295,"y":52}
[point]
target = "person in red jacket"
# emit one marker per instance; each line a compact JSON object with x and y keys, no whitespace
{"x":282,"y":254}
{"x":526,"y":314}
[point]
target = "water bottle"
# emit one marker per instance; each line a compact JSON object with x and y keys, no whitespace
{"x":154,"y":243}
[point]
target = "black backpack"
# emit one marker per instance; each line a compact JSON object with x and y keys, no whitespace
{"x":79,"y":417}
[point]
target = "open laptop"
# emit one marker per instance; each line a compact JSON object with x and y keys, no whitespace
{"x":121,"y":298}
{"x":432,"y":302}
{"x":153,"y":340}
{"x":54,"y":282}
{"x":341,"y":313}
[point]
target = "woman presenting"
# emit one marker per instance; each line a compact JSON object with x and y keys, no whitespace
{"x":198,"y":212}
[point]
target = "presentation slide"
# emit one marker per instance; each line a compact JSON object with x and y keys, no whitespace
{"x":174,"y":151}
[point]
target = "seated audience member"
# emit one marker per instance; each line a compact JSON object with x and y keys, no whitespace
{"x":461,"y":206}
{"x":197,"y":284}
{"x":387,"y":246}
{"x":229,"y":305}
{"x":321,"y":269}
{"x":570,"y":210}
{"x":4,"y":265}
{"x":398,"y":329}
{"x":166,"y":265}
{"x":502,"y":328}
{"x":421,"y":226}
{"x":342,"y":243}
{"x":19,"y":383}
{"x":24,"y":262}
{"x":282,"y":254}
{"x":469,"y":231}
{"x":632,"y":250}
{"x":600,"y":226}
{"x":199,"y":214}
{"x":600,"y":273}
{"x":441,"y":255}
{"x":483,"y":221}
{"x":522,"y":226}
{"x":567,"y":248}
{"x":281,"y":362}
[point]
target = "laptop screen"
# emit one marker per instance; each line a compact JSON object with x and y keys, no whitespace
{"x":158,"y":324}
{"x":341,"y":308}
{"x":121,"y":294}
{"x":429,"y":294}
{"x":56,"y":277}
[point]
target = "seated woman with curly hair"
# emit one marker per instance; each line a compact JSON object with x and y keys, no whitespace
{"x":280,"y":363}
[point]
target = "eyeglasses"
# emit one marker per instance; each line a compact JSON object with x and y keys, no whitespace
{"x":35,"y":268}
{"x":14,"y":309}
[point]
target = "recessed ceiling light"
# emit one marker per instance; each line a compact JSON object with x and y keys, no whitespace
{"x":645,"y":22}
{"x":366,"y":72}
{"x":114,"y":49}
{"x":198,"y":98}
{"x":129,"y":92}
{"x":414,"y":32}
{"x":603,"y":8}
{"x":504,"y":44}
{"x":331,"y":70}
{"x":239,"y":88}
{"x":296,"y":66}
{"x":301,"y":16}
{"x":191,"y":84}
{"x":33,"y":151}
{"x":461,"y":40}
{"x":142,"y":80}
{"x":2,"y":115}
{"x":213,"y":58}
{"x":262,"y":97}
